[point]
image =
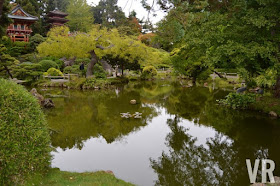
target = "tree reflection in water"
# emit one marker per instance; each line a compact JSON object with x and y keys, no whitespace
{"x":220,"y":161}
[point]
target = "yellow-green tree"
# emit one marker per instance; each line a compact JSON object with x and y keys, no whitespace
{"x":79,"y":16}
{"x":97,"y":43}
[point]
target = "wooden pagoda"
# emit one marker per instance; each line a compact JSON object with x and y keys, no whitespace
{"x":57,"y":18}
{"x":20,"y":29}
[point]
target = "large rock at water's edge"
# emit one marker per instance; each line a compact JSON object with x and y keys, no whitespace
{"x":46,"y":103}
{"x":273,"y":114}
{"x":37,"y":95}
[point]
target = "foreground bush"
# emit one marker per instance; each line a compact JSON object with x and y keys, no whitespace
{"x":241,"y":101}
{"x":47,"y":64}
{"x":149,"y":72}
{"x":25,"y":142}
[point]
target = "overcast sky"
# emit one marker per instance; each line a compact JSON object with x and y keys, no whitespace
{"x":129,"y":5}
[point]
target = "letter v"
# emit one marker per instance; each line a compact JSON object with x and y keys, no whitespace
{"x":252,"y":174}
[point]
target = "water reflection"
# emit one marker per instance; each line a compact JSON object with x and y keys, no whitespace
{"x":84,"y":115}
{"x":184,"y":138}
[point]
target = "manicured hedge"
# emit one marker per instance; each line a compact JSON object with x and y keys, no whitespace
{"x":47,"y":64}
{"x":24,"y":138}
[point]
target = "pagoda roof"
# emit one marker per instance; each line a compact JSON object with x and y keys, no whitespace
{"x":57,"y":19}
{"x":18,"y":13}
{"x":58,"y":12}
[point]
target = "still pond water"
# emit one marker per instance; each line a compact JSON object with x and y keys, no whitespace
{"x":183,"y":137}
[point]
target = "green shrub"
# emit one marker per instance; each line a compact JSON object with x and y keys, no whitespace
{"x":47,"y":64}
{"x":148,"y":72}
{"x":241,"y":101}
{"x":53,"y":72}
{"x":80,"y":60}
{"x":25,"y":141}
{"x":29,"y":71}
{"x":59,"y":62}
{"x":75,"y":69}
{"x":36,"y":40}
{"x":99,"y":72}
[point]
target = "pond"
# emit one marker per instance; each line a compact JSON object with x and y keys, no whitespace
{"x":183,"y":137}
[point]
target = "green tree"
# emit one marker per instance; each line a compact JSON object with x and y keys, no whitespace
{"x":7,"y":62}
{"x":4,"y":20}
{"x":95,"y":44}
{"x":109,"y":14}
{"x":80,"y":17}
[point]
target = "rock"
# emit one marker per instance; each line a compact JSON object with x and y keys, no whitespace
{"x":47,"y":103}
{"x":39,"y":97}
{"x":133,"y":102}
{"x":273,"y":114}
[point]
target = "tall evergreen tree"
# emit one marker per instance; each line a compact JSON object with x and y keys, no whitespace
{"x":80,"y":17}
{"x":108,"y":14}
{"x":4,"y":20}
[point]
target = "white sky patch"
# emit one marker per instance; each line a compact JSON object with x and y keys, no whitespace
{"x":130,"y":5}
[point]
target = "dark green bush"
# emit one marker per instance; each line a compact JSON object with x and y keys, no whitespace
{"x":47,"y":64}
{"x":80,"y":60}
{"x":28,"y":71}
{"x":75,"y":69}
{"x":36,"y":40}
{"x":59,"y":62}
{"x":25,"y":141}
{"x":241,"y":101}
{"x":99,"y":72}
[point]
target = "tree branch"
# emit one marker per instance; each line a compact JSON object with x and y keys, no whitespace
{"x":98,"y":37}
{"x":103,"y":48}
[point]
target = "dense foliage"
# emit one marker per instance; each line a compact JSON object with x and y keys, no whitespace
{"x":208,"y":34}
{"x":236,"y":100}
{"x":47,"y":64}
{"x":124,"y":51}
{"x":98,"y":71}
{"x":25,"y":142}
{"x":148,"y":72}
{"x":79,"y":16}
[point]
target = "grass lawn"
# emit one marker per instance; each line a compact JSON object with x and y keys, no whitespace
{"x":55,"y":177}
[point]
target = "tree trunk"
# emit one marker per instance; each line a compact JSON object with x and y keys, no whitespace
{"x":122,"y":69}
{"x":8,"y":71}
{"x":194,"y":81}
{"x":1,"y":7}
{"x":220,"y":75}
{"x":94,"y":60}
{"x":277,"y":88}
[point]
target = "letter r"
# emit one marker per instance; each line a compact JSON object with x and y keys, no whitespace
{"x":269,"y":171}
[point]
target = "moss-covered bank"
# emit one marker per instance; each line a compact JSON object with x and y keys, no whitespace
{"x":55,"y":177}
